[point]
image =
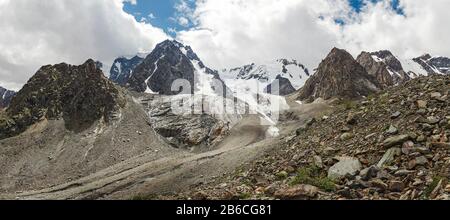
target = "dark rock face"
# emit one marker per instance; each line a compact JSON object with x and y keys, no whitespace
{"x":434,"y":65}
{"x":80,"y":95}
{"x":123,"y":68}
{"x":285,"y":86}
{"x":5,"y":97}
{"x":339,"y":75}
{"x":170,"y":61}
{"x":384,"y":66}
{"x":187,"y":131}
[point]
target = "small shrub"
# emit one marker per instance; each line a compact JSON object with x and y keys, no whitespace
{"x":245,"y":196}
{"x":312,"y":175}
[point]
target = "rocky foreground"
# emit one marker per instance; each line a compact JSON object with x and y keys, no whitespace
{"x":394,"y":145}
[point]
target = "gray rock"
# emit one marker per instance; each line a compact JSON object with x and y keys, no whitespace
{"x":346,"y":166}
{"x":403,"y":172}
{"x":389,"y":157}
{"x":418,"y":161}
{"x":318,"y":161}
{"x":396,"y":140}
{"x":392,"y":130}
{"x":433,"y":120}
{"x":422,"y":104}
{"x":346,"y":136}
{"x":436,"y":95}
{"x":396,"y":186}
{"x":297,"y":193}
{"x":396,"y":115}
{"x":369,"y":173}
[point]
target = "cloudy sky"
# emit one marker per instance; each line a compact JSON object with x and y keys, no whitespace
{"x":224,"y":33}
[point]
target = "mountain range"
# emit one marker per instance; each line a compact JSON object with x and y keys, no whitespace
{"x":73,"y":133}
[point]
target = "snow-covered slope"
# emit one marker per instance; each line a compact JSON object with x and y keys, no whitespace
{"x":433,"y":65}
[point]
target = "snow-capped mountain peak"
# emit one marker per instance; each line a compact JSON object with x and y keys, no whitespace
{"x":171,"y":61}
{"x":265,"y":74}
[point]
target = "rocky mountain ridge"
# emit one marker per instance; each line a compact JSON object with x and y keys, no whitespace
{"x":123,"y":68}
{"x":384,"y":66}
{"x":339,"y":76}
{"x":434,"y":65}
{"x":80,"y":95}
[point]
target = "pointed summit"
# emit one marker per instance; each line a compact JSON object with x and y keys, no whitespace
{"x":171,"y":61}
{"x":339,"y":75}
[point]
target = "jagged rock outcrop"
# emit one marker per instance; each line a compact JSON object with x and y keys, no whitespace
{"x":339,"y":75}
{"x":171,"y":61}
{"x":123,"y":68}
{"x":187,"y":129}
{"x":80,"y":95}
{"x":434,"y":65}
{"x":384,"y":66}
{"x":5,"y":97}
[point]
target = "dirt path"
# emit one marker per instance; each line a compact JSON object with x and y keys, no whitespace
{"x":143,"y":175}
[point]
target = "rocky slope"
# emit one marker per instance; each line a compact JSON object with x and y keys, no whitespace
{"x":69,"y":122}
{"x":171,"y":61}
{"x":80,"y":95}
{"x":391,"y":146}
{"x":434,"y":65}
{"x":5,"y":97}
{"x":123,"y":68}
{"x":384,"y":66}
{"x":339,"y":75}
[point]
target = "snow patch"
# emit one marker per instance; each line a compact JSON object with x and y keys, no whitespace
{"x":148,"y":90}
{"x":273,"y":132}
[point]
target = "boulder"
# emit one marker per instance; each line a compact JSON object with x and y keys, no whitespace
{"x":346,"y":166}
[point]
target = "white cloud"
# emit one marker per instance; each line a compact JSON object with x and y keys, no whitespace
{"x":35,"y":33}
{"x":227,"y":33}
{"x":423,"y":29}
{"x":237,"y":32}
{"x":183,"y":21}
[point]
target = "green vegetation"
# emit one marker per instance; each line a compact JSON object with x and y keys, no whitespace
{"x":348,"y":104}
{"x":313,"y":175}
{"x":244,"y":196}
{"x":432,"y":186}
{"x":282,"y":175}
